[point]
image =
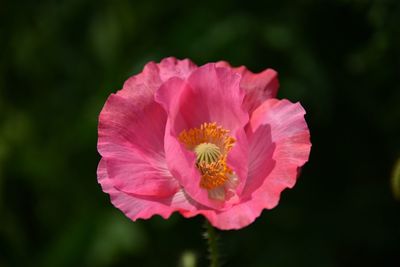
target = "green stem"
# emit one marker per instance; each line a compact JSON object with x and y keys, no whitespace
{"x":212,"y":241}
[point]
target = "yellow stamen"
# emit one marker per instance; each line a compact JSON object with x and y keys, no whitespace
{"x":210,"y":143}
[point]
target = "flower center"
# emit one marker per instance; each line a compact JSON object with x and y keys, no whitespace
{"x":211,"y":144}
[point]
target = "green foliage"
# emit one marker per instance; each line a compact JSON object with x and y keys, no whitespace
{"x":396,"y":180}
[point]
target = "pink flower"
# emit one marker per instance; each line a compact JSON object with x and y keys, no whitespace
{"x":210,"y":140}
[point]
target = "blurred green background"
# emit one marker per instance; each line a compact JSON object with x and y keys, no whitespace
{"x":59,"y":60}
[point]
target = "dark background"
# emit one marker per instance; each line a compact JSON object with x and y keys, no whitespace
{"x":59,"y":60}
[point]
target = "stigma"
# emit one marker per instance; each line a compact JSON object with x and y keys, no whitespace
{"x":207,"y":152}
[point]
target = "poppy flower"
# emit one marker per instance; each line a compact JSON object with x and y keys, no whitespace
{"x":210,"y":140}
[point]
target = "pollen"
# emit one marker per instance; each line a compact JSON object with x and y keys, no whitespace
{"x":211,"y":144}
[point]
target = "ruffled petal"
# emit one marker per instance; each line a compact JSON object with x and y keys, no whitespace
{"x":210,"y":94}
{"x":285,"y":149}
{"x":131,"y":139}
{"x":153,"y":75}
{"x":237,"y":217}
{"x":258,"y":86}
{"x":143,"y":85}
{"x":172,"y":67}
{"x":141,"y":207}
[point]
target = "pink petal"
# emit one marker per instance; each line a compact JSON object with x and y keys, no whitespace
{"x":209,"y":95}
{"x":216,"y":96}
{"x":238,"y":159}
{"x":172,"y":67}
{"x":258,"y":86}
{"x":142,"y":85}
{"x":131,"y":139}
{"x":153,"y":75}
{"x":289,"y":139}
{"x":141,"y":207}
{"x":234,"y":218}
